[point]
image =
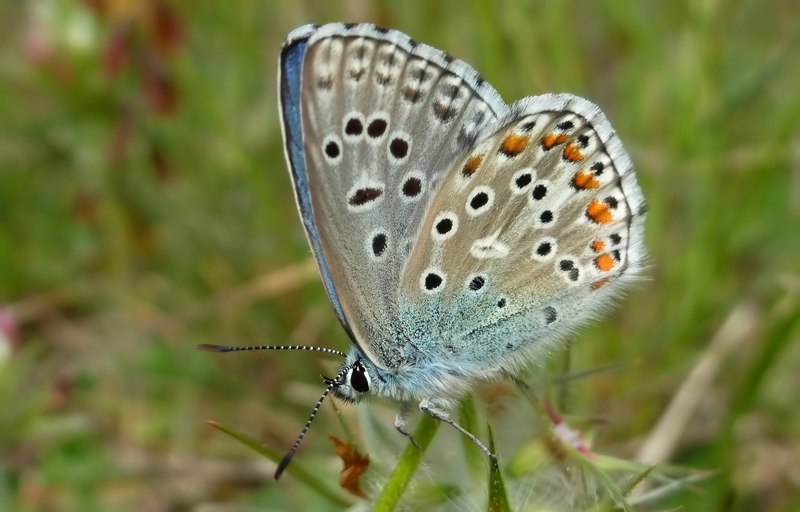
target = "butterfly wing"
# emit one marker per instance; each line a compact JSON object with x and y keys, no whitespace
{"x":532,"y":232}
{"x":371,"y":120}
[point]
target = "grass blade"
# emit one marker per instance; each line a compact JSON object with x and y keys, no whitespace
{"x":407,"y":465}
{"x":498,"y":500}
{"x":468,"y":417}
{"x":295,"y":469}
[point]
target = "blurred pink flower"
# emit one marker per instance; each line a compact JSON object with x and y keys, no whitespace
{"x":9,"y":332}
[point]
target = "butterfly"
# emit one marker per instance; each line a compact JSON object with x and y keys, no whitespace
{"x":459,"y":239}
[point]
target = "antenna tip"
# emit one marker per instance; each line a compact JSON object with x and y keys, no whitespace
{"x":283,"y":464}
{"x":214,"y":348}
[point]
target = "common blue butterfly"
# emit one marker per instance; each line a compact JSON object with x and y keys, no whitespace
{"x":458,"y":238}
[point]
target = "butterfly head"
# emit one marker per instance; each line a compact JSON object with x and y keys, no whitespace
{"x":352,"y":382}
{"x":357,"y":379}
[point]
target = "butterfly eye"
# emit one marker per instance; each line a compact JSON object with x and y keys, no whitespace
{"x":358,"y":378}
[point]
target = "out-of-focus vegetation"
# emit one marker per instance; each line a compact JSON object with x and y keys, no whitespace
{"x":145,"y":208}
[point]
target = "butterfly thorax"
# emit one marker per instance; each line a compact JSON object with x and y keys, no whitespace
{"x":412,"y":379}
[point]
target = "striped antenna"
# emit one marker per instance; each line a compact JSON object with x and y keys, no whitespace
{"x":332,"y":383}
{"x":228,"y":348}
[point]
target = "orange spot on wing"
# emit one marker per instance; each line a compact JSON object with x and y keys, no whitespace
{"x":553,"y":139}
{"x":598,"y":246}
{"x":584,"y":180}
{"x":572,"y":152}
{"x":604,"y":262}
{"x":600,"y":283}
{"x":598,"y":212}
{"x":514,"y":144}
{"x":472,"y":165}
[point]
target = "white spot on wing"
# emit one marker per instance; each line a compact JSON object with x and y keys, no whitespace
{"x":489,"y":247}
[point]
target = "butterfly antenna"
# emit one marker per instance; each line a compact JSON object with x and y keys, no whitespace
{"x":332,"y":383}
{"x":227,"y":348}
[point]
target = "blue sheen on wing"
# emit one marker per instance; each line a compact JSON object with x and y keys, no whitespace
{"x":290,"y":72}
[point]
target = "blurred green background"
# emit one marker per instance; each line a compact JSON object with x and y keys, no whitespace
{"x":145,"y":207}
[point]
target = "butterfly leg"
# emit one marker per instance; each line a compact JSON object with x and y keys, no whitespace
{"x":429,"y":406}
{"x":401,"y":422}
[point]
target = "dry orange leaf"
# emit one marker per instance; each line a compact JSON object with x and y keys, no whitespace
{"x":355,"y":465}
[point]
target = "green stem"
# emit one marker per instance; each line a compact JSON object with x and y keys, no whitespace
{"x":407,"y":465}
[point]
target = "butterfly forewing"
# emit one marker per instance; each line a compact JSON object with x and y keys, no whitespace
{"x":382,"y":119}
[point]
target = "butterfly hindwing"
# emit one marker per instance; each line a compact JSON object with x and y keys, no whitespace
{"x":530,"y":233}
